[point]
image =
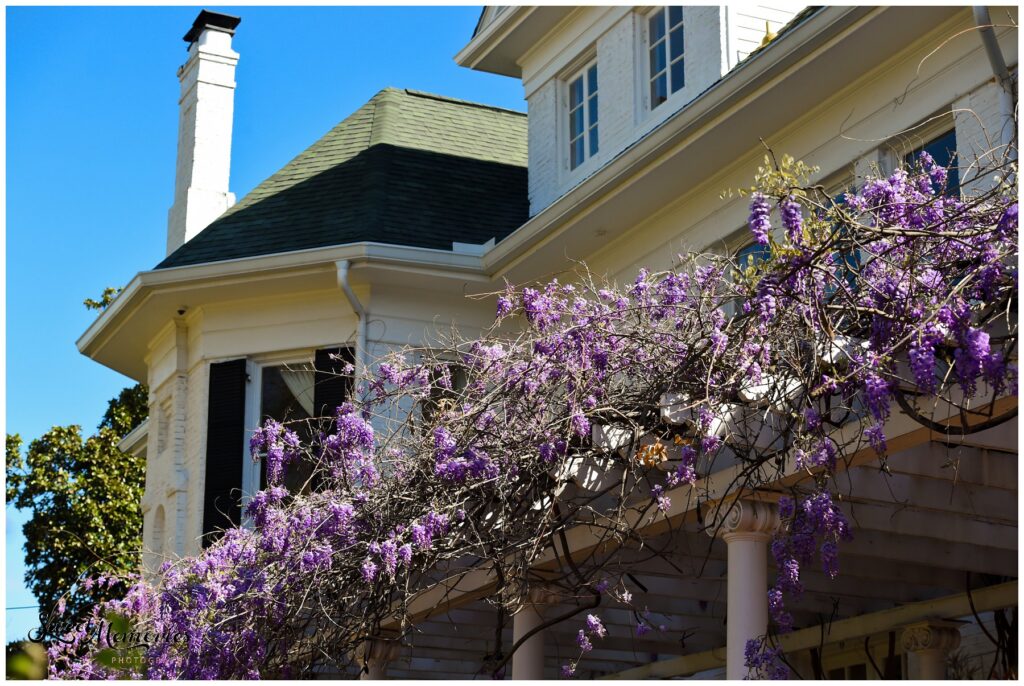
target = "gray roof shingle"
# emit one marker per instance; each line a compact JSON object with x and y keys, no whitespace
{"x":406,"y":168}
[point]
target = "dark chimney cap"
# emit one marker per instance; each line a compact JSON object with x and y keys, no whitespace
{"x":212,"y":20}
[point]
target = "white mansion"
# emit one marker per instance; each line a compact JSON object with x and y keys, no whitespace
{"x":638,"y":118}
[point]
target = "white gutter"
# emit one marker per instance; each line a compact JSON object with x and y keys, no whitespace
{"x":133,"y":438}
{"x":455,"y":264}
{"x":362,"y":355}
{"x":995,"y":57}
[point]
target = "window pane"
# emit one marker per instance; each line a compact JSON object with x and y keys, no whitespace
{"x":286,"y":394}
{"x":657,"y":58}
{"x":592,"y":80}
{"x":593,"y":140}
{"x":657,"y":26}
{"x":676,"y":38}
{"x":576,"y":92}
{"x":943,"y":151}
{"x":659,"y":94}
{"x":675,"y":15}
{"x":593,"y":110}
{"x":577,"y":152}
{"x":753,"y":254}
{"x":576,"y":122}
{"x":678,"y":78}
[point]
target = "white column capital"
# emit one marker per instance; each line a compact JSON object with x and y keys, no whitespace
{"x":931,"y":634}
{"x":745,"y":520}
{"x":541,"y":596}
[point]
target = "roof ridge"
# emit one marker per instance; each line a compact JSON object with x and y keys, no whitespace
{"x":459,"y":101}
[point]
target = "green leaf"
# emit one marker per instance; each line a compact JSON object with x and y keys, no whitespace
{"x":106,"y":657}
{"x":118,"y":623}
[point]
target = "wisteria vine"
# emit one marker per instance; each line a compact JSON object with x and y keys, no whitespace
{"x":588,"y":404}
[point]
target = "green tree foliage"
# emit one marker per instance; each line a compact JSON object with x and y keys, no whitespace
{"x":84,"y":498}
{"x":106,"y":297}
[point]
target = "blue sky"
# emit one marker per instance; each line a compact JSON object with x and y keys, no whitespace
{"x":91,"y":142}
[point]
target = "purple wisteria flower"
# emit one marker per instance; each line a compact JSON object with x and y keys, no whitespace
{"x":759,"y":222}
{"x":595,"y":626}
{"x":792,"y":220}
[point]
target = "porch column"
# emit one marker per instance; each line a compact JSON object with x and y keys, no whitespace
{"x":746,"y":528}
{"x":374,"y":657}
{"x":528,"y":660}
{"x":927,"y":645}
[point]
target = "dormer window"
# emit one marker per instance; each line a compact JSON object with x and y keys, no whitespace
{"x":665,"y":53}
{"x":582,"y":103}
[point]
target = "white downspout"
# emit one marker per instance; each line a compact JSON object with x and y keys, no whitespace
{"x":362,"y":354}
{"x":995,"y":57}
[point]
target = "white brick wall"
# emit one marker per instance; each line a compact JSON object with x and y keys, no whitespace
{"x":715,"y":39}
{"x":204,"y":138}
{"x":177,"y":402}
{"x":616,"y":63}
{"x":980,"y":126}
{"x":189,"y":500}
{"x":543,"y":152}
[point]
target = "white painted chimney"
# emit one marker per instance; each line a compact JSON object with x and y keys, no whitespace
{"x":204,"y":128}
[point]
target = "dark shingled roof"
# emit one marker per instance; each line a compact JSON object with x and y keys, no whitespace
{"x":407,"y":168}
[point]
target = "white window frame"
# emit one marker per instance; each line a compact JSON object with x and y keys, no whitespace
{"x":253,"y":398}
{"x":645,"y":61}
{"x":579,"y":71}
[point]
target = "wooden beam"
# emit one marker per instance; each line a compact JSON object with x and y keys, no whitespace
{"x":956,"y":465}
{"x":993,"y":505}
{"x":943,"y":554}
{"x":950,"y":607}
{"x":869,"y":515}
{"x":1002,"y":438}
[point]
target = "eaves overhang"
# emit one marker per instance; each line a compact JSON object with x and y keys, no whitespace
{"x":134,"y":442}
{"x":795,"y":73}
{"x":499,"y":45}
{"x":120,"y":336}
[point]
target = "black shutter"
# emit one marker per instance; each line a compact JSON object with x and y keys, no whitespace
{"x":331,"y":389}
{"x":225,"y":448}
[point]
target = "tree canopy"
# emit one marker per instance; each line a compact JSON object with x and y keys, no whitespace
{"x":84,"y":498}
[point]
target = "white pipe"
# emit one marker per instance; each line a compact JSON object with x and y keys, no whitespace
{"x":362,"y":354}
{"x":995,"y":57}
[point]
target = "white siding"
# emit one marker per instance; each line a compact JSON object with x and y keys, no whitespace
{"x":746,"y":28}
{"x":617,"y":65}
